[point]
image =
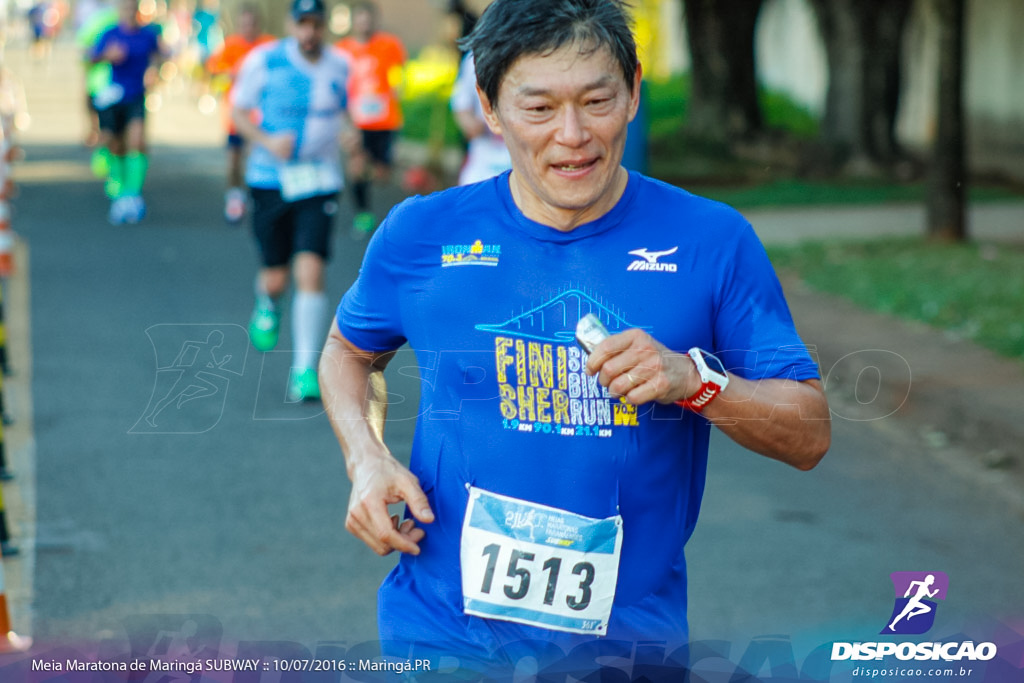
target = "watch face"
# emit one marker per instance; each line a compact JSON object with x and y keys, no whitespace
{"x":714,"y":365}
{"x":710,"y":368}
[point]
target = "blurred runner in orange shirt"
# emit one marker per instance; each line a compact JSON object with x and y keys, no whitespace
{"x":376,"y":60}
{"x":223,"y":66}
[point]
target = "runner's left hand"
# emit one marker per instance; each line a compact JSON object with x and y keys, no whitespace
{"x":638,"y":367}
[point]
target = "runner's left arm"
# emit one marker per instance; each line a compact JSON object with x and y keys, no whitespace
{"x":784,"y":419}
{"x":157,"y":56}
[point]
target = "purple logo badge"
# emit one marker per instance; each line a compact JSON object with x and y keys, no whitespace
{"x":916,"y":592}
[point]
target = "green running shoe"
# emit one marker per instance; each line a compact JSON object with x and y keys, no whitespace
{"x":303,"y":386}
{"x":263,"y":329}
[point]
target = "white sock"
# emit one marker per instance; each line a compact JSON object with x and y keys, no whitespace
{"x":309,"y":327}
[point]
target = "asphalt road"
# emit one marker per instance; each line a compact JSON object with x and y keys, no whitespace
{"x":223,"y":518}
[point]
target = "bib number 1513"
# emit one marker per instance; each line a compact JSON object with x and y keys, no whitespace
{"x":538,"y":565}
{"x":522,"y":565}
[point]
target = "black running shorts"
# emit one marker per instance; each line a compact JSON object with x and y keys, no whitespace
{"x":378,"y":144}
{"x":116,"y":117}
{"x":283,"y":229}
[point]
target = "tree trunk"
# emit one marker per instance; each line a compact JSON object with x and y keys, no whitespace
{"x":723,"y":101}
{"x":840,"y":30}
{"x":863,"y":41}
{"x":947,"y":181}
{"x":883,"y":74}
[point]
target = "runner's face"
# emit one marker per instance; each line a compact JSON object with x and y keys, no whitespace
{"x":309,"y":32}
{"x":128,"y":12}
{"x":248,"y":26}
{"x":564,"y":117}
{"x":363,"y":23}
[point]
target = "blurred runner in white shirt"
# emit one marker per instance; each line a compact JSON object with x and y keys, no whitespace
{"x":487,"y":155}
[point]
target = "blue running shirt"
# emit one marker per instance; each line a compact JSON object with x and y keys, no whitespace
{"x":294,"y":95}
{"x":141,"y":44}
{"x":489,"y":301}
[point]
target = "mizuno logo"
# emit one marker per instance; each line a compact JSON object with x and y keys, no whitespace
{"x":650,"y":260}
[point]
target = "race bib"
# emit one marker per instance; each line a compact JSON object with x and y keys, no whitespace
{"x":370,"y":108}
{"x":538,"y":565}
{"x":108,"y":96}
{"x":302,"y":180}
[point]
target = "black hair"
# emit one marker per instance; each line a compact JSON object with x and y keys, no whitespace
{"x":510,"y":29}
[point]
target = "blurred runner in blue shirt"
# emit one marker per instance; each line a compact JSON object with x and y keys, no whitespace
{"x":130,"y":49}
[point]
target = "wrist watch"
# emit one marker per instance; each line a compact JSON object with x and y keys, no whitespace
{"x":713,"y":377}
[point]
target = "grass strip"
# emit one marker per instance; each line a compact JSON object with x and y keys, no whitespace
{"x":972,"y":291}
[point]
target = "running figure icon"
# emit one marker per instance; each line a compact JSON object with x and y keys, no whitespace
{"x":193,"y":382}
{"x":915,"y":606}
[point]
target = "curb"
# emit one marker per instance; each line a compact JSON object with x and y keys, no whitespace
{"x":20,"y":437}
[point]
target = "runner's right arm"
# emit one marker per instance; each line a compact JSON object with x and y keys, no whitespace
{"x":280,"y":145}
{"x":355,"y":398}
{"x":248,"y":92}
{"x":108,"y":49}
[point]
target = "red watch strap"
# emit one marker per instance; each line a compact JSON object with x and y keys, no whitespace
{"x":704,"y":396}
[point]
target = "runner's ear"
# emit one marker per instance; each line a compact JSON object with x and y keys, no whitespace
{"x":490,"y":113}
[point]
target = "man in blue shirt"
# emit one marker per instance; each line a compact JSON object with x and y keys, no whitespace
{"x":552,"y":488}
{"x":295,"y":88}
{"x":130,"y":49}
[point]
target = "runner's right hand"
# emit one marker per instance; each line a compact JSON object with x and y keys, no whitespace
{"x":281,"y":145}
{"x":375,"y":485}
{"x":115,"y":53}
